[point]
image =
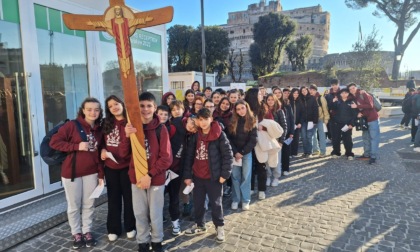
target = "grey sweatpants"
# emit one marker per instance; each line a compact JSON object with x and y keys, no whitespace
{"x":77,"y":196}
{"x":148,"y":205}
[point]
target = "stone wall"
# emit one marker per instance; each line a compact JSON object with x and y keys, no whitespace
{"x":307,"y":78}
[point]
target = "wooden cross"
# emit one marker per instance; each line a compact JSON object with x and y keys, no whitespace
{"x":120,"y":22}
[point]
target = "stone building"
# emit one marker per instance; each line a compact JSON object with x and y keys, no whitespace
{"x":310,"y":20}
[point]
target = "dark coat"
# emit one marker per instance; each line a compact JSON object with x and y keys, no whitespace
{"x":243,"y":142}
{"x":310,"y":111}
{"x":344,"y":114}
{"x":280,"y":118}
{"x":290,"y":121}
{"x":297,"y":108}
{"x":220,"y":157}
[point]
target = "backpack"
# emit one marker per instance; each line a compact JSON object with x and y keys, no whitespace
{"x":376,"y":102}
{"x":52,"y":156}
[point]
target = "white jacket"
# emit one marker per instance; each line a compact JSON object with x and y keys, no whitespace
{"x":267,"y":147}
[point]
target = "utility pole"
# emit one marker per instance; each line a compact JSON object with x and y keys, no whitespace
{"x":203,"y":45}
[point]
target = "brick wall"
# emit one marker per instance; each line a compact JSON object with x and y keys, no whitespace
{"x":300,"y":79}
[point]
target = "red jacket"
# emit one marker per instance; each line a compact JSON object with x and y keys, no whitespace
{"x":112,"y":143}
{"x":159,"y":153}
{"x":365,"y":105}
{"x":68,"y":139}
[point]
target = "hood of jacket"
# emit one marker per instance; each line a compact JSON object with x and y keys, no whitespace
{"x":152,"y":124}
{"x":165,"y":96}
{"x":215,"y":131}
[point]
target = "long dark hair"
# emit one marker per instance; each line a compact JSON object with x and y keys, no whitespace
{"x":109,"y":117}
{"x":251,"y":98}
{"x":186,"y":102}
{"x":250,"y":120}
{"x":94,"y":100}
{"x":220,"y":110}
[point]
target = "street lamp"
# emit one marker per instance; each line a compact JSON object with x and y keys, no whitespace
{"x":203,"y":45}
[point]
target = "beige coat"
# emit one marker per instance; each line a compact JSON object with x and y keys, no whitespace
{"x":323,"y":113}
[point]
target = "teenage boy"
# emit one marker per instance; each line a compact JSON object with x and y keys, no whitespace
{"x":319,"y":147}
{"x":148,"y":191}
{"x":163,"y":114}
{"x":208,"y":163}
{"x":207,"y":92}
{"x":371,"y":137}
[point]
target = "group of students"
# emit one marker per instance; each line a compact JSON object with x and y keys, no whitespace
{"x":411,"y":110}
{"x":209,"y":139}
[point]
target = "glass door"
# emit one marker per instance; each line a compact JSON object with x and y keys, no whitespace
{"x":16,"y":141}
{"x":63,"y":72}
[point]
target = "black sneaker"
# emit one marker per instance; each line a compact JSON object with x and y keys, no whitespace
{"x":78,"y":241}
{"x":187,"y":210}
{"x":372,"y":160}
{"x":157,"y":247}
{"x":144,"y":247}
{"x":90,"y":241}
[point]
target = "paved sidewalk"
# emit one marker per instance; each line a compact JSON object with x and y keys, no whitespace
{"x":323,"y":205}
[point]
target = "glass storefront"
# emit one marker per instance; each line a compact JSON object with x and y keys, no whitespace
{"x":63,"y":66}
{"x":147,"y":56}
{"x":16,"y":150}
{"x":46,"y":71}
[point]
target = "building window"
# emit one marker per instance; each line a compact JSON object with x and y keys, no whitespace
{"x":232,"y":32}
{"x":177,"y":84}
{"x":244,"y":30}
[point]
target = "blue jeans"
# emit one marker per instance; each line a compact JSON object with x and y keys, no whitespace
{"x":371,"y":138}
{"x":241,"y":180}
{"x":322,"y":146}
{"x":307,"y":138}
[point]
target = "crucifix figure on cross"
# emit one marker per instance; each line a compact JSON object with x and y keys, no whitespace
{"x":121,"y":22}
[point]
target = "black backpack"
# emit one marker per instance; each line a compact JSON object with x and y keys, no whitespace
{"x":55,"y":157}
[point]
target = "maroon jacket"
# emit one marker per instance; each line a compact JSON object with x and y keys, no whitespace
{"x":112,"y":143}
{"x":365,"y":105}
{"x":68,"y":139}
{"x":159,"y":153}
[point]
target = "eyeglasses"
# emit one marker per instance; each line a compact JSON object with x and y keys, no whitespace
{"x":201,"y":104}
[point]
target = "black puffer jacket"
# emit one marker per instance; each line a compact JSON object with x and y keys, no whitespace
{"x":344,"y":114}
{"x":290,"y":121}
{"x":243,"y":142}
{"x":220,"y":156}
{"x":297,"y":108}
{"x":310,"y":109}
{"x":280,"y":118}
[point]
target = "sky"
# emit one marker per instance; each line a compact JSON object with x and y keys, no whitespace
{"x":344,"y":21}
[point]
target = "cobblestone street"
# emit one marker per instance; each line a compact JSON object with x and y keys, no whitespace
{"x":324,"y":204}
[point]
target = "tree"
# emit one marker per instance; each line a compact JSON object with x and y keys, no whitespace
{"x":366,"y":60}
{"x":221,"y":69}
{"x":271,"y":34}
{"x":298,"y":51}
{"x":217,"y":47}
{"x":178,"y":45}
{"x":235,"y":64}
{"x":400,"y":12}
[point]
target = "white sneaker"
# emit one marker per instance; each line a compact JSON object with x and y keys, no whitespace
{"x":176,"y":228}
{"x":417,"y":149}
{"x":261,"y":195}
{"x":268,"y":183}
{"x":286,"y":173}
{"x":350,"y":158}
{"x":112,"y":237}
{"x":131,"y":234}
{"x":220,"y":234}
{"x":245,"y":206}
{"x":234,"y":205}
{"x":275,"y":182}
